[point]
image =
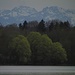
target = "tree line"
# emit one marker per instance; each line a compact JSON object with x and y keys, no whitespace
{"x":37,"y":43}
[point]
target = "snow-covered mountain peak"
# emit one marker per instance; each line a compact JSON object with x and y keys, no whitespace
{"x":21,"y":13}
{"x":24,"y":9}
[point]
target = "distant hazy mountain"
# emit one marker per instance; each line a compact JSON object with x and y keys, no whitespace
{"x":19,"y":14}
{"x":16,"y":15}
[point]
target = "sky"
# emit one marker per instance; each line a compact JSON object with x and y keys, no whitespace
{"x":37,"y":4}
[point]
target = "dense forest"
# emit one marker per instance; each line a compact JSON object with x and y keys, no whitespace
{"x":37,"y":43}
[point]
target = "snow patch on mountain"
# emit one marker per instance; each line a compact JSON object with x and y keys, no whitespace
{"x":6,"y":17}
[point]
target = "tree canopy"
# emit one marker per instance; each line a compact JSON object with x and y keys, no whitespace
{"x":44,"y":51}
{"x":19,"y":50}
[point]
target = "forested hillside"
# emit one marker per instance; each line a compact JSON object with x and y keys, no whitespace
{"x":37,"y":43}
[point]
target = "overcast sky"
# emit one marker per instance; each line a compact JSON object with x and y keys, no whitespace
{"x":37,"y":4}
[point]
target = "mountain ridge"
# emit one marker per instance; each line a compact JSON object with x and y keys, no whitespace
{"x":21,"y":13}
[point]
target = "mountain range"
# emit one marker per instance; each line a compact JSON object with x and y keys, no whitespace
{"x":22,"y":13}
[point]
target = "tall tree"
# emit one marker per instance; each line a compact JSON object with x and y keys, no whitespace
{"x":41,"y":26}
{"x":20,"y":26}
{"x":66,"y":24}
{"x":34,"y":39}
{"x":25,"y":24}
{"x":19,"y":50}
{"x":59,"y":55}
{"x":51,"y":26}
